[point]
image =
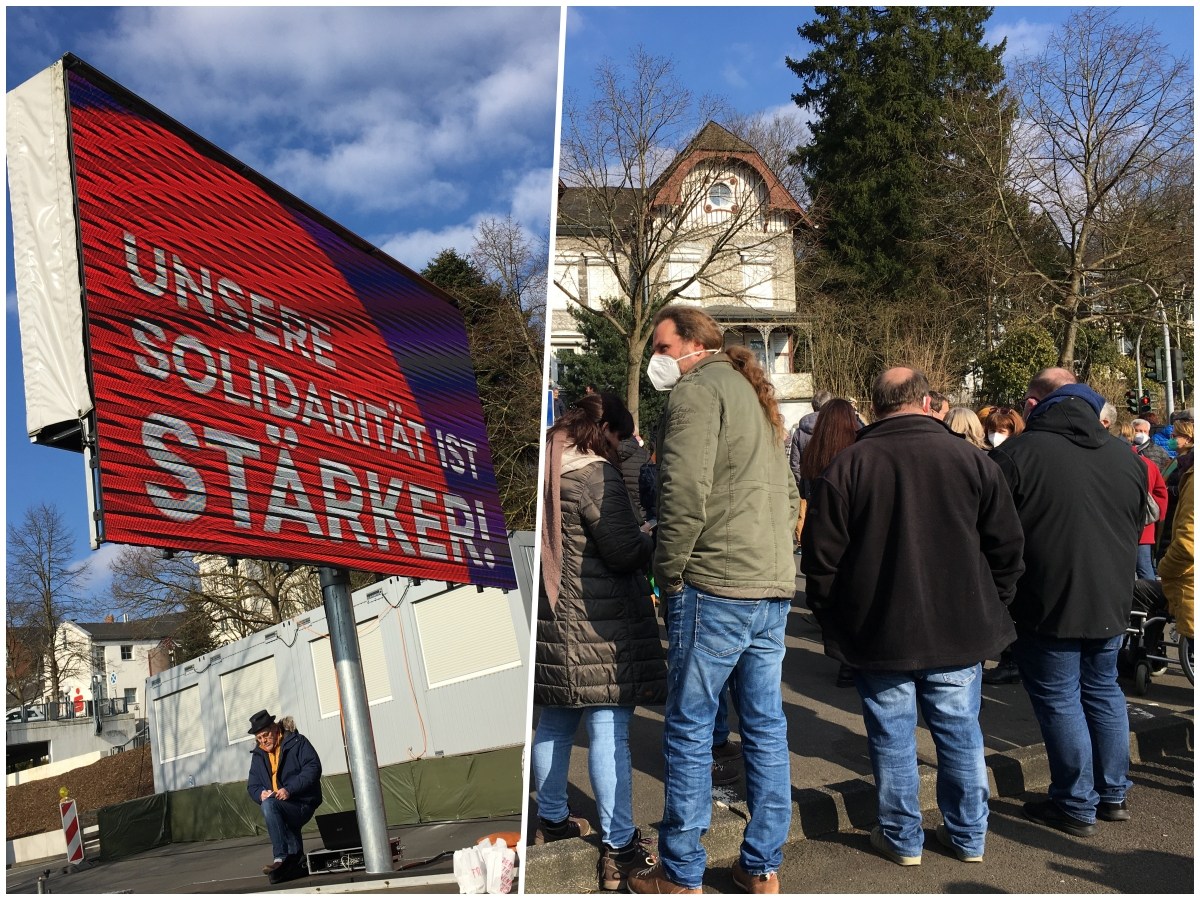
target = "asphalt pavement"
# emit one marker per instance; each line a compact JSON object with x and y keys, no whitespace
{"x":832,"y":789}
{"x":235,"y":867}
{"x":1151,"y":854}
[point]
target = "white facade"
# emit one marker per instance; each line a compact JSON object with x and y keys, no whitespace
{"x":446,"y":670}
{"x":728,"y":227}
{"x":123,"y":664}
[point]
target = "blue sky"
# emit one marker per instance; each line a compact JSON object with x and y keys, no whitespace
{"x":407,"y":126}
{"x":738,"y":54}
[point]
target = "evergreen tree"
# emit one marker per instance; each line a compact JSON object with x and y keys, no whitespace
{"x":506,"y":352}
{"x":878,"y":83}
{"x":602,"y":364}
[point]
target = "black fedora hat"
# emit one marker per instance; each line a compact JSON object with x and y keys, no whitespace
{"x":260,"y":721}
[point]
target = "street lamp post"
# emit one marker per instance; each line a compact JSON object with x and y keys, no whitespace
{"x":1166,"y":329}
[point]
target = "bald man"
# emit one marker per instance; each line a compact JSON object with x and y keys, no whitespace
{"x":912,"y":594}
{"x":1079,"y":493}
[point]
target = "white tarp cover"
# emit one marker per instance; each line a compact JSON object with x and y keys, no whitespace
{"x":45,"y":256}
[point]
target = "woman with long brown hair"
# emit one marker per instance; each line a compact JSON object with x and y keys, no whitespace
{"x":836,"y":428}
{"x":598,"y":650}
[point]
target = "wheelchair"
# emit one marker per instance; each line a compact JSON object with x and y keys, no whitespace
{"x":1152,"y":644}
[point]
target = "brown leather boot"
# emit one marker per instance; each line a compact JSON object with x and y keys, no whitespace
{"x":615,"y":865}
{"x":653,"y":880}
{"x":754,"y":884}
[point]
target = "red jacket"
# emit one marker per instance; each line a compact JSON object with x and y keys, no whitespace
{"x":1158,"y":490}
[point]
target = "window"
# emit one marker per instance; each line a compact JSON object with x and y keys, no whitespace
{"x":684,"y":264}
{"x":758,"y":282}
{"x":466,"y":633}
{"x":130,"y":698}
{"x":374,"y":665}
{"x":180,"y":731}
{"x":245,"y":691}
{"x":126,"y":651}
{"x":720,"y":196}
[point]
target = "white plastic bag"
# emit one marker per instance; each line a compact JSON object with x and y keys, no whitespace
{"x":498,"y":863}
{"x":469,"y":871}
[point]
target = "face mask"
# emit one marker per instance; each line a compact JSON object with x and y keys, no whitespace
{"x":663,"y":370}
{"x":1140,"y":438}
{"x":996,"y":438}
{"x":1173,"y":445}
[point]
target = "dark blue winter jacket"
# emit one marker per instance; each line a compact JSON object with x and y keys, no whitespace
{"x":299,"y":770}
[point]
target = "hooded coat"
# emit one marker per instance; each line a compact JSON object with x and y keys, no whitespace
{"x":598,"y":644}
{"x":1079,"y":493}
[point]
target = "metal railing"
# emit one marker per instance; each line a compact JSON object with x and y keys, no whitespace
{"x":57,"y":711}
{"x":140,"y":739}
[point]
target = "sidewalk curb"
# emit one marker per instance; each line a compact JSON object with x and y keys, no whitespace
{"x":569,"y":867}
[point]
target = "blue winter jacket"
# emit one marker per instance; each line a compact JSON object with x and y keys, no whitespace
{"x":299,"y":770}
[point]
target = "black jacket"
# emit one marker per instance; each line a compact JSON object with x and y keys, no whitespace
{"x":299,"y":771}
{"x":633,"y":456}
{"x":599,"y":645}
{"x":1079,"y":493}
{"x":911,"y":549}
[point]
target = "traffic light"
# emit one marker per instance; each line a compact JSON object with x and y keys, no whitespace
{"x":1145,"y":406}
{"x":1131,"y":401}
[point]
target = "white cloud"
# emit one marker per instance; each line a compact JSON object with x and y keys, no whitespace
{"x":531,"y":200}
{"x":99,"y":574}
{"x":1025,"y":38}
{"x":383,"y":108}
{"x":733,"y":77}
{"x":415,"y":249}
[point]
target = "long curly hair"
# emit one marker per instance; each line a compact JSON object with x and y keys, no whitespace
{"x":696,"y":325}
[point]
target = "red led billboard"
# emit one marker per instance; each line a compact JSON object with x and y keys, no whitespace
{"x":266,"y":384}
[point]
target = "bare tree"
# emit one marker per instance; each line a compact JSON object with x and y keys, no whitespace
{"x":1101,"y":150}
{"x":45,"y":586}
{"x":515,"y":263}
{"x":237,"y":599}
{"x":776,"y":134}
{"x":660,"y":228}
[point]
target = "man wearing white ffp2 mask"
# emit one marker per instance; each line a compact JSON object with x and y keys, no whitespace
{"x":727,"y":510}
{"x":664,"y":370}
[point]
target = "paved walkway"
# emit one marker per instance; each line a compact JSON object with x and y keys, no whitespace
{"x":831,"y":774}
{"x":235,"y":866}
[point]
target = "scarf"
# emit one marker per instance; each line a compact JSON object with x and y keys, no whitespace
{"x":562,"y":456}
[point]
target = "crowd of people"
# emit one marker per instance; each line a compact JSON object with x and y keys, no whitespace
{"x":932,"y":539}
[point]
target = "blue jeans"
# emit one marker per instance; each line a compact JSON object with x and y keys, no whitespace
{"x":1145,"y":561}
{"x":284,"y":819}
{"x":949,"y":701}
{"x":709,"y":639}
{"x":1072,"y":685}
{"x":721,"y":729}
{"x":609,"y":766}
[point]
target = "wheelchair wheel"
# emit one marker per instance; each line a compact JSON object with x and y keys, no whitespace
{"x":1185,"y":657}
{"x":1141,"y":678}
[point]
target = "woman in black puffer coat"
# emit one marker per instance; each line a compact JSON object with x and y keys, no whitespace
{"x":598,"y":649}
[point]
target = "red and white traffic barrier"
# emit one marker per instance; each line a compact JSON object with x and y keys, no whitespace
{"x":74,"y":834}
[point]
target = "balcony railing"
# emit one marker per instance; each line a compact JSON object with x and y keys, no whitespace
{"x":55,"y":711}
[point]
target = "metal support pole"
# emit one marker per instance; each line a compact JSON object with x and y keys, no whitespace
{"x":356,"y":718}
{"x":1137,"y":355}
{"x":1170,"y":385}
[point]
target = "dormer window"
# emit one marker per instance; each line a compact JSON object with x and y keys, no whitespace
{"x":720,"y":197}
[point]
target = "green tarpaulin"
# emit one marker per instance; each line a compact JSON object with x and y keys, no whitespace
{"x":475,"y":786}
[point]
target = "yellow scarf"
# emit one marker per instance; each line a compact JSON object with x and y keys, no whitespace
{"x":273,"y":759}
